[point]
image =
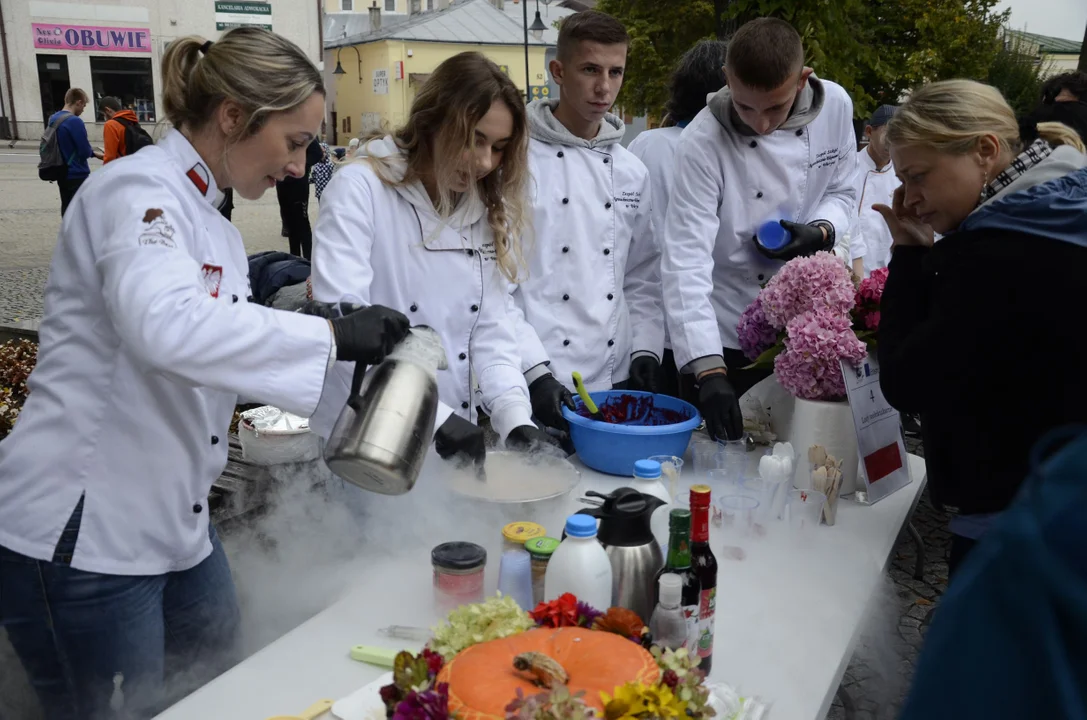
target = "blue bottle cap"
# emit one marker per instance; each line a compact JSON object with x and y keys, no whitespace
{"x":647,"y":469}
{"x":581,"y":526}
{"x":773,"y":236}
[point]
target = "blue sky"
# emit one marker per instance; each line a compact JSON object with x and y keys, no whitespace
{"x":1059,"y":18}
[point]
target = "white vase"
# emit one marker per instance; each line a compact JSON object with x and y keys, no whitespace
{"x":830,"y":424}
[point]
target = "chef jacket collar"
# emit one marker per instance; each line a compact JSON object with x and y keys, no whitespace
{"x":190,"y":162}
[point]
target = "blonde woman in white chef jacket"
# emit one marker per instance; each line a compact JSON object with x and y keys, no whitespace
{"x":775,"y":144}
{"x":428,"y":219}
{"x":110,"y":573}
{"x":698,"y":74}
{"x":591,"y":302}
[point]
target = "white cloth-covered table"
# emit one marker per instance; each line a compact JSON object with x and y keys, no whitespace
{"x":788,"y":616}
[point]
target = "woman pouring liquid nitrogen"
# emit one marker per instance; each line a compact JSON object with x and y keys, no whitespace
{"x":108,"y":562}
{"x":429,"y":220}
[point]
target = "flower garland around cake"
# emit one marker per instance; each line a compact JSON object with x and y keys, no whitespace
{"x":417,"y":692}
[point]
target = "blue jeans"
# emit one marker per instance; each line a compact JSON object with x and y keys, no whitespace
{"x":78,"y":633}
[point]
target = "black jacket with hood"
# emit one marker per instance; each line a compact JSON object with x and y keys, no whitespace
{"x":983,"y":334}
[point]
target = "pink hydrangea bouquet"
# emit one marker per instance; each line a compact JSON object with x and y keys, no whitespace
{"x":802,"y":323}
{"x":866,"y":305}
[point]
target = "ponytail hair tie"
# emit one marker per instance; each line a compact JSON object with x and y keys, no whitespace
{"x":205,"y":47}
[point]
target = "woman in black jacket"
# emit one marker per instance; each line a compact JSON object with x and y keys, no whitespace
{"x":982,"y":332}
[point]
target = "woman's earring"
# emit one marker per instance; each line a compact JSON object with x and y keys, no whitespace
{"x":984,"y":186}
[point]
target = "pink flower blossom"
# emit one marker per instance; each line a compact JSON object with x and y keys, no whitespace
{"x":755,"y":332}
{"x":869,"y":293}
{"x":820,"y":281}
{"x":814,"y":343}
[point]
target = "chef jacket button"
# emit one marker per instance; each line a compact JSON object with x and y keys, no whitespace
{"x":800,"y":132}
{"x":413,"y":307}
{"x":462,"y":356}
{"x":610,"y":296}
{"x":214,"y":439}
{"x":197,"y":508}
{"x":565,"y":342}
{"x":566,"y":201}
{"x":758,"y":194}
{"x":565,"y":297}
{"x":607,"y":252}
{"x":560,"y":153}
{"x":754,"y":144}
{"x":475,"y":308}
{"x":605,"y":161}
{"x":610,"y":343}
{"x":464,"y":406}
{"x":470,"y":252}
{"x":761,"y":278}
{"x":566,"y":248}
{"x":234,"y":298}
{"x":607,"y":206}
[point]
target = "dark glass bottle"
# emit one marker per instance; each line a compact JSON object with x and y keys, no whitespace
{"x":679,"y":562}
{"x":704,"y":565}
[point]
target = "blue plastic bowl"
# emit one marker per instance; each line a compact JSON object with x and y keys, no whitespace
{"x":613,"y":449}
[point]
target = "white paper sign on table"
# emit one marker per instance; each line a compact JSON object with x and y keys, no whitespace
{"x":365,"y":703}
{"x":880,"y":444}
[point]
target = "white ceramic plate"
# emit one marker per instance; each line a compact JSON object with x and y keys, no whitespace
{"x":365,"y":703}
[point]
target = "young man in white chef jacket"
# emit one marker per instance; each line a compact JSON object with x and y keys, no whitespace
{"x":775,"y":144}
{"x":591,"y":302}
{"x":874,"y":182}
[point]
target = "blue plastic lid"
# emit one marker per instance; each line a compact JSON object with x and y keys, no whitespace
{"x":581,"y":526}
{"x":773,"y":236}
{"x":647,"y":469}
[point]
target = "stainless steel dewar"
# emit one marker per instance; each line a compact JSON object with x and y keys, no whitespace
{"x":381,"y":437}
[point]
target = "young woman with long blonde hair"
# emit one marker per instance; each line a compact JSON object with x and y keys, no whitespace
{"x":428,"y":219}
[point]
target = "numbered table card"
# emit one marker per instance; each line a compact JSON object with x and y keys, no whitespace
{"x":880,"y":444}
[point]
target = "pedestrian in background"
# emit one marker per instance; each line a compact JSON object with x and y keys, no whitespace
{"x":322,"y":171}
{"x":74,"y":145}
{"x":1064,"y":100}
{"x":293,"y":195}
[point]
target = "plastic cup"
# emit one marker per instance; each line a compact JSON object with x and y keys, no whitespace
{"x":805,"y":509}
{"x":705,"y":456}
{"x":772,"y":236}
{"x":738,"y":513}
{"x":671,"y":471}
{"x":515,"y":577}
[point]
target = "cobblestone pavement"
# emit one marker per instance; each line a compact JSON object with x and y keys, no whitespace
{"x":880,"y":672}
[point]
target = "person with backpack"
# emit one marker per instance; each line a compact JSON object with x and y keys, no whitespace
{"x":65,"y":148}
{"x":122,"y":134}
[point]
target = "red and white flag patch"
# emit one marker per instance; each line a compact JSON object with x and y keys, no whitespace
{"x":198,"y":174}
{"x":213,"y":277}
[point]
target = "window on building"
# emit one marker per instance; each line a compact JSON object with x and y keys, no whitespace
{"x":429,"y":4}
{"x":53,"y":82}
{"x":390,"y":5}
{"x":128,"y":79}
{"x":347,"y":5}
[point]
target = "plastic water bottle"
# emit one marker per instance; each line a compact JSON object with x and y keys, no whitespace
{"x":668,"y":625}
{"x":648,"y":481}
{"x":580,"y":566}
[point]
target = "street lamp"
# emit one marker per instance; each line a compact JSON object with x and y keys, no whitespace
{"x":538,"y":26}
{"x":339,"y":68}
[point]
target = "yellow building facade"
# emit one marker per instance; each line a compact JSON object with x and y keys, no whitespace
{"x":377,"y":75}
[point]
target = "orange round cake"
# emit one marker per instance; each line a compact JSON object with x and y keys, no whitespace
{"x":482,"y":679}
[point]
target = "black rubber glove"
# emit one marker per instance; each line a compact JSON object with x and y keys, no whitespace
{"x":548,"y":396}
{"x":369,"y":334}
{"x":461,"y":439}
{"x":329,"y":311}
{"x":720,"y":407}
{"x":529,"y":438}
{"x":644,"y":374}
{"x":806,"y":240}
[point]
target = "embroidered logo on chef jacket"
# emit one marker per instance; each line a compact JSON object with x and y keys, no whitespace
{"x":158,"y":231}
{"x":213,"y":276}
{"x":198,"y":174}
{"x":826,"y":158}
{"x":630,"y":199}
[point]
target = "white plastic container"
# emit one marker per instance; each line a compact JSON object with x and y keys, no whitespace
{"x":648,"y":480}
{"x":668,"y":625}
{"x":580,"y":566}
